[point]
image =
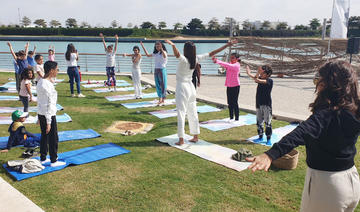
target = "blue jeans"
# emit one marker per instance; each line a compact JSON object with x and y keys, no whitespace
{"x":110,"y":73}
{"x":73,"y":73}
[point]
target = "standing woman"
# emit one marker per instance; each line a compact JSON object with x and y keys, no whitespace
{"x":72,"y":57}
{"x":46,"y":103}
{"x":329,"y":135}
{"x":136,"y":71}
{"x":160,"y":74}
{"x":185,"y":95}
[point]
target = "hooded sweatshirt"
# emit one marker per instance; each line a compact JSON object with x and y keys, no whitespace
{"x":329,"y":137}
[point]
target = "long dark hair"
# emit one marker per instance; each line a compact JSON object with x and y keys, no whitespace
{"x":70,"y":49}
{"x":337,"y":88}
{"x":25,"y":74}
{"x":237,"y":56}
{"x":163,"y":47}
{"x":190,"y":53}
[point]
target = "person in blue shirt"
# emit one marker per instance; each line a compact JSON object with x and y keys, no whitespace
{"x":31,"y":59}
{"x":21,"y":61}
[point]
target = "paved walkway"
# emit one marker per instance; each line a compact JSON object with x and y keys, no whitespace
{"x":14,"y":201}
{"x":291,"y":96}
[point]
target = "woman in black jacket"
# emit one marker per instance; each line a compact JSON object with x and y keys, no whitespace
{"x":329,"y":135}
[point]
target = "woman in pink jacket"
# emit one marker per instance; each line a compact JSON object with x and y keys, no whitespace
{"x":232,"y":83}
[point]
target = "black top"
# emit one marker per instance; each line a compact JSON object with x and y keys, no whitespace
{"x":329,"y":138}
{"x":263,"y":93}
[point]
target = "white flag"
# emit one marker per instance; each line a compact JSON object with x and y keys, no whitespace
{"x":340,"y":19}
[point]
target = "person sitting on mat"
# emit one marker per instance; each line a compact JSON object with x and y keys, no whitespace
{"x":18,"y":133}
{"x":263,"y":100}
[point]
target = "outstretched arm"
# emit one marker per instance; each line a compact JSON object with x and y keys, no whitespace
{"x":103,"y":40}
{"x":146,"y":52}
{"x":230,"y":43}
{"x":26,"y":49}
{"x":34,"y":51}
{"x":175,"y":50}
{"x":248,"y":72}
{"x":11,"y":50}
{"x":116,"y":44}
{"x":224,"y":64}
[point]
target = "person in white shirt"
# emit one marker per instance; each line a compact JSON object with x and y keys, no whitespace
{"x":160,"y":73}
{"x":25,"y":94}
{"x":72,"y":57}
{"x":185,"y":94}
{"x":46,"y":104}
{"x":110,"y":62}
{"x":136,"y":71}
{"x":39,"y":68}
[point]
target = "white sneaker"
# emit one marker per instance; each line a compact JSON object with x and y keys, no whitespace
{"x":231,"y":120}
{"x":72,"y":95}
{"x":45,"y":161}
{"x":81,"y":95}
{"x":58,"y":163}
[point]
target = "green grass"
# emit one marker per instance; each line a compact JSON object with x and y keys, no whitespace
{"x":154,"y":176}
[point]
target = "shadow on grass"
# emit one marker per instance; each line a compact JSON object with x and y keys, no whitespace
{"x":141,"y":143}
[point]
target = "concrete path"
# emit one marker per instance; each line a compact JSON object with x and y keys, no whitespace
{"x":14,"y":201}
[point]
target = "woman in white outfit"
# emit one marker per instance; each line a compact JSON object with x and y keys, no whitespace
{"x":185,"y":95}
{"x":136,"y":71}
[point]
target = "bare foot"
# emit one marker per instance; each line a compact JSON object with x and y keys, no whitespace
{"x":194,"y":139}
{"x":180,"y":142}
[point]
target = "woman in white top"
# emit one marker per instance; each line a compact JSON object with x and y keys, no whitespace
{"x":185,"y":95}
{"x":110,"y":61}
{"x":72,"y":57}
{"x":160,"y":74}
{"x":46,"y":103}
{"x":136,"y":71}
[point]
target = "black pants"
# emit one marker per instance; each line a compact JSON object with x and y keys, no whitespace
{"x":232,"y":98}
{"x":25,"y":101}
{"x":50,"y":139}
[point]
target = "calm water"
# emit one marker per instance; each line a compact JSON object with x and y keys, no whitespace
{"x":97,"y":62}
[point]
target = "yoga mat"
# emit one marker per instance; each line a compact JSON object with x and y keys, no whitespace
{"x":130,"y":96}
{"x":9,"y":85}
{"x":33,"y":119}
{"x":107,"y":90}
{"x":98,"y":81}
{"x":172,"y":113}
{"x":63,"y":136}
{"x":59,"y":80}
{"x":133,"y":105}
{"x":223,"y":124}
{"x":75,"y":157}
{"x":208,"y":151}
{"x":121,"y":84}
{"x":13,"y":90}
{"x":276,"y":136}
{"x":31,"y":109}
{"x":9,"y":98}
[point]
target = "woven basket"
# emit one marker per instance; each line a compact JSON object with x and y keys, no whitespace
{"x":288,"y":161}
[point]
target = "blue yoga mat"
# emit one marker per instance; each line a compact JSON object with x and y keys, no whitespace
{"x":63,"y":136}
{"x":277,"y":135}
{"x":75,"y":157}
{"x":9,"y":98}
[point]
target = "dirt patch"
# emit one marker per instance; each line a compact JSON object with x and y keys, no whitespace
{"x":129,"y":127}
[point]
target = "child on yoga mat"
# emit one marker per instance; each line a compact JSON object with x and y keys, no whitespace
{"x":160,"y":73}
{"x":185,"y":95}
{"x":18,"y":133}
{"x":25,"y":94}
{"x":110,"y":61}
{"x":47,"y":98}
{"x":136,"y":71}
{"x":232,"y":84}
{"x":329,"y":136}
{"x":263,"y":100}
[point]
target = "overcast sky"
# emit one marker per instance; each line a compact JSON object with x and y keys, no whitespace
{"x":102,"y":12}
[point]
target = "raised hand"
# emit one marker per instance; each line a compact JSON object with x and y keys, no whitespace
{"x":101,"y":35}
{"x":9,"y":44}
{"x":116,"y":37}
{"x":169,"y":42}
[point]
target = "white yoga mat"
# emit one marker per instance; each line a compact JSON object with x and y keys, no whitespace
{"x":172,"y":112}
{"x":107,"y":90}
{"x":14,"y":98}
{"x":31,"y":109}
{"x":276,"y":136}
{"x":133,"y":105}
{"x":223,"y":124}
{"x":98,"y":85}
{"x":13,"y":90}
{"x":208,"y":151}
{"x":33,"y":119}
{"x":130,"y":96}
{"x":98,"y":81}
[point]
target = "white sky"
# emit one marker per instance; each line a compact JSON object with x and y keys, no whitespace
{"x":102,"y":12}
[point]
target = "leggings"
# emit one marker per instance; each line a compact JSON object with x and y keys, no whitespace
{"x":160,"y":76}
{"x":232,"y":99}
{"x":48,"y":141}
{"x":25,"y":101}
{"x":73,"y":73}
{"x":110,"y":73}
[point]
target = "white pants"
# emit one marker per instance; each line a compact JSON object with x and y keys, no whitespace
{"x":330,"y":191}
{"x":136,"y":77}
{"x":185,"y":97}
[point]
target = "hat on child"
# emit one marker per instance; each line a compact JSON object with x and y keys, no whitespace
{"x":18,"y":114}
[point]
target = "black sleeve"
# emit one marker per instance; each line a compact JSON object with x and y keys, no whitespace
{"x":10,"y":143}
{"x":310,"y":129}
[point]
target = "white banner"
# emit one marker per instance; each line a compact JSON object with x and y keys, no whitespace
{"x":340,"y":18}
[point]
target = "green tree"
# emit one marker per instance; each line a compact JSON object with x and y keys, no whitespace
{"x":301,"y":27}
{"x":129,"y":25}
{"x":247,"y":25}
{"x":213,"y":24}
{"x":85,"y":24}
{"x":226,"y":24}
{"x":195,"y":24}
{"x":177,"y":26}
{"x":162,"y":25}
{"x":147,"y":25}
{"x":55,"y":23}
{"x":71,"y":22}
{"x":354,"y":22}
{"x":25,"y":21}
{"x":265,"y":25}
{"x":282,"y":26}
{"x":114,"y":24}
{"x":40,"y":23}
{"x":314,"y":24}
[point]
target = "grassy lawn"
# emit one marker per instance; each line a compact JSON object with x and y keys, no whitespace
{"x":154,"y":176}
